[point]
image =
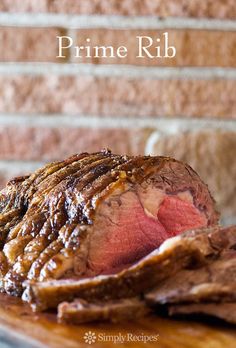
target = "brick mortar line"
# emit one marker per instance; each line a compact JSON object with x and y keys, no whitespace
{"x":116,"y":70}
{"x":113,"y":22}
{"x":14,"y":166}
{"x":165,"y":125}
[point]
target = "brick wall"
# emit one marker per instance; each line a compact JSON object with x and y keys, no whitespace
{"x":183,"y":107}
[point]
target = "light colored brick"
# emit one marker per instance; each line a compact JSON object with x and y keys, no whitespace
{"x":212,"y":154}
{"x":193,"y":47}
{"x":118,"y":96}
{"x":46,"y":144}
{"x":24,"y":6}
{"x":29,"y":44}
{"x":162,"y":8}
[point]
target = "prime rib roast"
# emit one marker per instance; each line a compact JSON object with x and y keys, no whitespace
{"x":98,"y":233}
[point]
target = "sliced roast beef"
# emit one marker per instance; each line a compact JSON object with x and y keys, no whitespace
{"x":81,"y":311}
{"x":202,"y":292}
{"x":215,"y":281}
{"x":208,"y":289}
{"x":95,"y":214}
{"x":225,"y":311}
{"x":132,"y":281}
{"x":189,"y":250}
{"x":195,"y":266}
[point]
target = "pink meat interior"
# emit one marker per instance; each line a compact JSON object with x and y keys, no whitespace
{"x":129,"y":225}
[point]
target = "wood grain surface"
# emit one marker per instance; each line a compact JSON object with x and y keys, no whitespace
{"x":21,"y":328}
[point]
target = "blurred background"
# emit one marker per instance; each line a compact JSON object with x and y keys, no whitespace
{"x":184,"y":107}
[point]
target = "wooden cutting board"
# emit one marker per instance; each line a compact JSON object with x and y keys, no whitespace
{"x":21,"y":328}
